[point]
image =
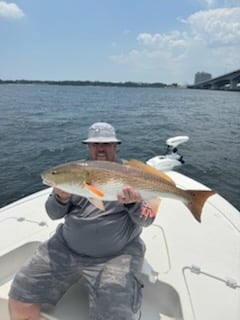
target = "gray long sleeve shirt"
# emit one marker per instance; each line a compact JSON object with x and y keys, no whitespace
{"x":90,"y":231}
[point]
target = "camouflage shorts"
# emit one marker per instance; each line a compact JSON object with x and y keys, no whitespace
{"x":114,"y":284}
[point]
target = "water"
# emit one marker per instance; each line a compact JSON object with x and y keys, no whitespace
{"x":43,"y":125}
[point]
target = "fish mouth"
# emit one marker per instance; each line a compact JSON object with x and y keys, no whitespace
{"x":47,"y":182}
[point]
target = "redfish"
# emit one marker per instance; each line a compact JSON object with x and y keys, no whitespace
{"x":102,"y":180}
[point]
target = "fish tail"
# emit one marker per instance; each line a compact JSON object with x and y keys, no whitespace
{"x":198,"y":199}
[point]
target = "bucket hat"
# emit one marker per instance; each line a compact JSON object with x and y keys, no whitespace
{"x":101,"y":132}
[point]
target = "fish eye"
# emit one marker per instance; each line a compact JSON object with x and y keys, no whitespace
{"x":54,"y":172}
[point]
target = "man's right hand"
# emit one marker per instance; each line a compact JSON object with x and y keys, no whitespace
{"x":62,"y":196}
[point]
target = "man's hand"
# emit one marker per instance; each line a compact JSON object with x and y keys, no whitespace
{"x":62,"y":196}
{"x":129,"y":195}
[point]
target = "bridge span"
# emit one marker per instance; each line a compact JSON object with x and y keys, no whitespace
{"x":229,"y":81}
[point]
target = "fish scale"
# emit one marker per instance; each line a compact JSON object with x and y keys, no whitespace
{"x":103,"y":180}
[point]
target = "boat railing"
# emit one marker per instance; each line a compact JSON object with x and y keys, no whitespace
{"x":197,"y":270}
{"x":215,"y":288}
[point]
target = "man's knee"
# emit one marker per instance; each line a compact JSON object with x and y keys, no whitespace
{"x":23,"y":311}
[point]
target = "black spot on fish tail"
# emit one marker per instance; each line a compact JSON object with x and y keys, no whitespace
{"x":198,"y":199}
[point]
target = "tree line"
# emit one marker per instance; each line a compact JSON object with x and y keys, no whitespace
{"x":91,"y":83}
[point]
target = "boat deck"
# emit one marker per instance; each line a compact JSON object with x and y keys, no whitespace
{"x":191,"y":270}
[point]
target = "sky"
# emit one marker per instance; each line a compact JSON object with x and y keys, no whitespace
{"x":148,"y":41}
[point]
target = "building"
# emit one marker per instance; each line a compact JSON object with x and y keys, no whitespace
{"x":201,"y":77}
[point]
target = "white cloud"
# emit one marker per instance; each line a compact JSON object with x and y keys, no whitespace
{"x":211,"y":39}
{"x":216,"y":26}
{"x":160,"y":40}
{"x":10,"y":10}
{"x":221,"y":3}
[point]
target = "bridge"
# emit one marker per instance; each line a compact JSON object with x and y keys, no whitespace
{"x":229,"y":81}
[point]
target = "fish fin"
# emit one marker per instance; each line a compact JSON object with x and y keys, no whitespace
{"x":199,"y":197}
{"x":94,"y":190}
{"x":97,"y":203}
{"x":144,"y":167}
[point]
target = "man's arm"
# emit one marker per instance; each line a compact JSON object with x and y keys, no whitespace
{"x":58,"y":204}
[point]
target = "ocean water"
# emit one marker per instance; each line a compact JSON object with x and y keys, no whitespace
{"x":43,"y":125}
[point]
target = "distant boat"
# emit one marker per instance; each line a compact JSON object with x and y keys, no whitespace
{"x":191,"y":270}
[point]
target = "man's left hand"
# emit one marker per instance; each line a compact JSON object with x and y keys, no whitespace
{"x":129,"y":195}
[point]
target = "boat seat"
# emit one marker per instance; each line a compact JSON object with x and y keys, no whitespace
{"x":5,"y":313}
{"x":148,"y":271}
{"x":4,"y":309}
{"x":12,"y":260}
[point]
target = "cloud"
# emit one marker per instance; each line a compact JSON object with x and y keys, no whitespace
{"x":10,"y":10}
{"x":221,"y":3}
{"x":155,"y":47}
{"x":218,"y":27}
{"x":215,"y":27}
{"x":208,"y":38}
{"x":170,"y":40}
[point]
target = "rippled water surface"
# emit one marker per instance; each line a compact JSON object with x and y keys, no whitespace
{"x":43,"y":125}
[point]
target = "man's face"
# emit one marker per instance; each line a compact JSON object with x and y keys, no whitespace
{"x":103,"y":151}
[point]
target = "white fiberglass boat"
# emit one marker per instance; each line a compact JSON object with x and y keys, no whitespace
{"x":191,"y":270}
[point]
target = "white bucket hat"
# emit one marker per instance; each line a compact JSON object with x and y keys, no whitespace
{"x":101,"y":132}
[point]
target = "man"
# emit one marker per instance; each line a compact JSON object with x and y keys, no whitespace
{"x":103,"y":247}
